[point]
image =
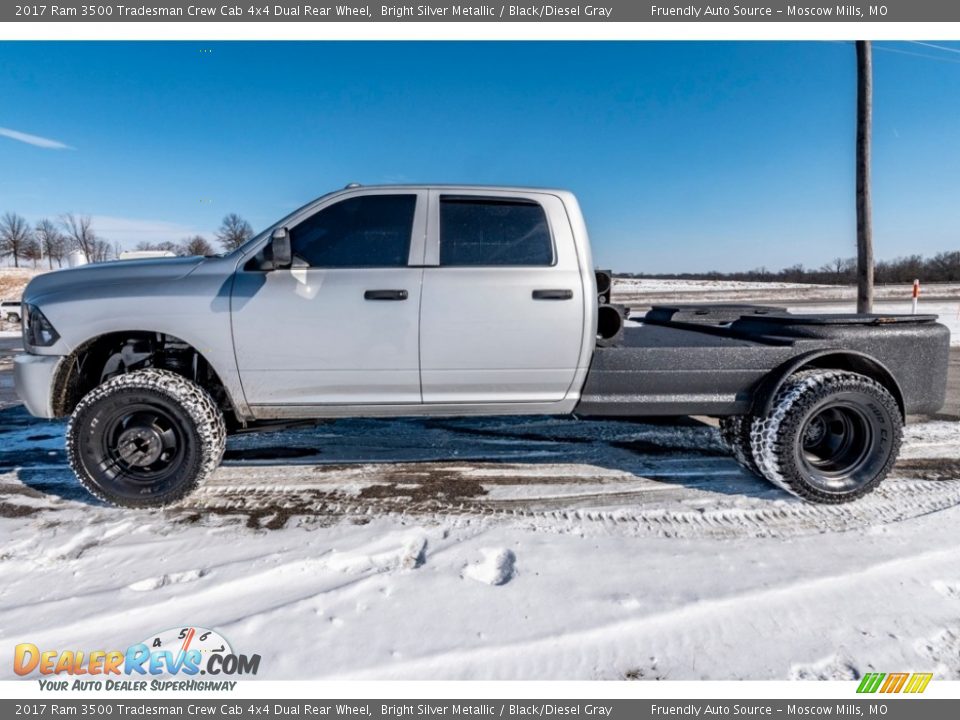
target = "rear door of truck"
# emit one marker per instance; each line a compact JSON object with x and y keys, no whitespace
{"x":502,"y":306}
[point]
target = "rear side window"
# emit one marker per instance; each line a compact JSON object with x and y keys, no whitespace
{"x":493,"y":231}
{"x":365,"y":231}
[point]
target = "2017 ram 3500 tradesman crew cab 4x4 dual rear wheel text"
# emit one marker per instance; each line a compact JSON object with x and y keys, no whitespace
{"x":447,"y":300}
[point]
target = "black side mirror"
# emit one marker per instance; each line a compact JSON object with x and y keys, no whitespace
{"x":280,"y":249}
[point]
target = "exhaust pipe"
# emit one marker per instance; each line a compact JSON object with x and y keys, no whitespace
{"x":610,"y":320}
{"x":604,"y":285}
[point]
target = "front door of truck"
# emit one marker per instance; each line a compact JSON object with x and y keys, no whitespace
{"x":502,"y":315}
{"x":341,"y":326}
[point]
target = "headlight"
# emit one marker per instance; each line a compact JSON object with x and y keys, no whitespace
{"x":37,"y":330}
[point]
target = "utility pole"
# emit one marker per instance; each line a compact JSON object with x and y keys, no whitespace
{"x":864,"y":204}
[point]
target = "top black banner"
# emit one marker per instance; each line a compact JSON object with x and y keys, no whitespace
{"x":480,"y":11}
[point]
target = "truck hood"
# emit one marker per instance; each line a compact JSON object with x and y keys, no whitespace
{"x":87,"y":280}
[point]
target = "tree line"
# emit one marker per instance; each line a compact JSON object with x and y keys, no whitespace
{"x":942,"y":267}
{"x":52,"y":241}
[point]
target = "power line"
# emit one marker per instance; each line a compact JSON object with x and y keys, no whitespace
{"x":937,"y":47}
{"x":927,"y":56}
{"x":938,"y":58}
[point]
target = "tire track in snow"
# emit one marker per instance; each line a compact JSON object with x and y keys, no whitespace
{"x":233,"y":599}
{"x":565,"y":503}
{"x":739,"y":618}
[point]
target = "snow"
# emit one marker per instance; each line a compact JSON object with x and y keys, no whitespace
{"x":941,"y":299}
{"x":499,"y":548}
{"x":497,"y":567}
{"x":643,"y":292}
{"x":655,"y":286}
{"x":155,"y":583}
{"x":582,"y":552}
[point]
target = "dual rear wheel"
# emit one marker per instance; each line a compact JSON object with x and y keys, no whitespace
{"x":829,"y":436}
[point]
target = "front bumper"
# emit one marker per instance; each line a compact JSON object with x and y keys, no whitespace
{"x":33,"y":378}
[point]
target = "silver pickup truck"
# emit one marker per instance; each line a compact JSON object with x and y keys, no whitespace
{"x":447,"y":300}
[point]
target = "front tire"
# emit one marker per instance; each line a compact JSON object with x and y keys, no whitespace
{"x":829,"y":437}
{"x":145,"y":439}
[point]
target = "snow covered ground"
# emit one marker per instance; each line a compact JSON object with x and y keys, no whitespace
{"x":644,"y":292}
{"x":497,"y":548}
{"x":941,"y":299}
{"x":534,"y":548}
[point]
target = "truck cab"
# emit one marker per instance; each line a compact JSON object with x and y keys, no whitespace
{"x":410,"y":299}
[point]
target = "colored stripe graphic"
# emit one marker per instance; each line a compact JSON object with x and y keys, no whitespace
{"x":918,"y":682}
{"x":870,"y":682}
{"x":913,"y":683}
{"x":894,"y":682}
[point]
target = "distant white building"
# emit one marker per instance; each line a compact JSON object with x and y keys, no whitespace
{"x":76,"y":259}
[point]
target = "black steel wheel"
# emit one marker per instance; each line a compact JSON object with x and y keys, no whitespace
{"x":145,"y":439}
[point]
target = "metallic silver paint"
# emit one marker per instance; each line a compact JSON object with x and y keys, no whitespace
{"x":33,"y":378}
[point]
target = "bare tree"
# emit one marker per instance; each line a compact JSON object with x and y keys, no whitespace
{"x":100,"y":251}
{"x":14,"y":236}
{"x":196,"y":245}
{"x":53,"y":243}
{"x":864,"y":202}
{"x":162,"y":246}
{"x":843,"y":268}
{"x":945,"y":266}
{"x":233,"y":232}
{"x":32,"y":251}
{"x":80,"y":234}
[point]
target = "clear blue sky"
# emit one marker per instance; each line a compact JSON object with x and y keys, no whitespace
{"x":686,"y":156}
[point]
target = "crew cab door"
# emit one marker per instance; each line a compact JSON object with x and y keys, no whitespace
{"x":341,"y":326}
{"x":502,"y":311}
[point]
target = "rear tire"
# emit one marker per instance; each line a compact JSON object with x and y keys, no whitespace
{"x":145,"y":439}
{"x":735,"y":432}
{"x":829,"y":437}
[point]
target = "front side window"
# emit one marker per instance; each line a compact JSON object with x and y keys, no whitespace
{"x":493,"y":231}
{"x":365,"y":231}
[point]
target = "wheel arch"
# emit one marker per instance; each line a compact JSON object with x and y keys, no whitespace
{"x":74,"y":376}
{"x":851,"y":360}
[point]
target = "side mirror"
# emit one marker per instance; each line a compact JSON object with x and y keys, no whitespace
{"x":280,"y":249}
